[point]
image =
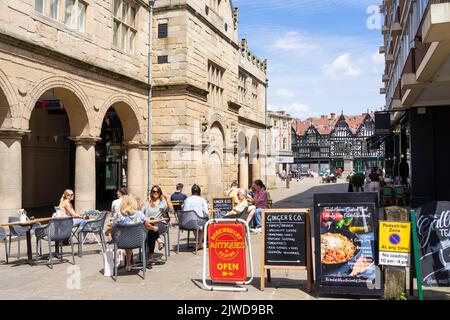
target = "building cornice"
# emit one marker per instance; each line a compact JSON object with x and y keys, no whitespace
{"x":179,"y":89}
{"x":253,"y":123}
{"x":61,"y":57}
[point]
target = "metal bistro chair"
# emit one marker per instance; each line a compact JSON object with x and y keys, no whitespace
{"x":130,"y":236}
{"x":400,"y":194}
{"x":388,"y":195}
{"x":92,"y":227}
{"x":189,"y":221}
{"x":4,"y":238}
{"x":58,"y":230}
{"x":242,"y":215}
{"x":16,"y":231}
{"x":177,"y":207}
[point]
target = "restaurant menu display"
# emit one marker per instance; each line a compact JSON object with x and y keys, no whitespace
{"x":223,"y":206}
{"x":433,"y":229}
{"x":346,"y":244}
{"x":285,"y":239}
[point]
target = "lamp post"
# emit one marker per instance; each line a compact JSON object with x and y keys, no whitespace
{"x":151,"y":4}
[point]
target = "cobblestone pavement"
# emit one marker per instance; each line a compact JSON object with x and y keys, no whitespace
{"x":178,"y":278}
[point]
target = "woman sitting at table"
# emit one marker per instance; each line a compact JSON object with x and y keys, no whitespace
{"x":66,"y":209}
{"x":129,"y":214}
{"x":241,"y":205}
{"x":156,"y":207}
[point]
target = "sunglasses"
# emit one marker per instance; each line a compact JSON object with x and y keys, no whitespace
{"x":155,"y":191}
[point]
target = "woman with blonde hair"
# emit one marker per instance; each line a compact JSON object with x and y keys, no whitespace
{"x":129,"y":214}
{"x":66,"y":209}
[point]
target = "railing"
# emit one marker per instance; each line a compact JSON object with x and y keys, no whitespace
{"x":411,"y":24}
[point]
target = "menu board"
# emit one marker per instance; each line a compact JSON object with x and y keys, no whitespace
{"x":285,"y":238}
{"x":346,"y":241}
{"x":286,"y":242}
{"x":433,"y":229}
{"x":222,"y":206}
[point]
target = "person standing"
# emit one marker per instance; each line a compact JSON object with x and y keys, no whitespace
{"x":198,"y":204}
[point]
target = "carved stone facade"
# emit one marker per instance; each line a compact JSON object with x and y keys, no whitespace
{"x":209,"y":117}
{"x":64,"y":78}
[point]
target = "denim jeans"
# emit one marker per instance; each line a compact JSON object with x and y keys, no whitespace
{"x":256,"y":221}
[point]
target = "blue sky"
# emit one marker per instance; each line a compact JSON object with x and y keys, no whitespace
{"x":322,"y":55}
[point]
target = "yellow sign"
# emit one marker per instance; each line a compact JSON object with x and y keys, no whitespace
{"x":395,"y":236}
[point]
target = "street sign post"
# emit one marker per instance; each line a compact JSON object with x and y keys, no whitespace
{"x":394,"y":244}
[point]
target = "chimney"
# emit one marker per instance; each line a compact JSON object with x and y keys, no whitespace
{"x":333,"y":116}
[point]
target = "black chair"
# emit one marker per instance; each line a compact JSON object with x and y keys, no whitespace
{"x":242,"y":215}
{"x":132,"y":236}
{"x":58,"y":230}
{"x":4,"y":238}
{"x":190,"y":221}
{"x":94,"y":227}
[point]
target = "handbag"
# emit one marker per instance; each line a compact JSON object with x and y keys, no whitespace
{"x":108,"y":261}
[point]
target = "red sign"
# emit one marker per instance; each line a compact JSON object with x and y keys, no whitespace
{"x":227,"y":252}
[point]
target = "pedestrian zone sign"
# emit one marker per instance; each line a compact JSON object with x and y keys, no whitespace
{"x":394,"y":243}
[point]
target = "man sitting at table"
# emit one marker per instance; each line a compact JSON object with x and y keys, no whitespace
{"x":241,"y":205}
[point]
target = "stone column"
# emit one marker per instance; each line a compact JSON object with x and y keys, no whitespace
{"x":256,"y":169}
{"x":10,"y":173}
{"x":135,"y":174}
{"x":243,"y":171}
{"x":85,"y":178}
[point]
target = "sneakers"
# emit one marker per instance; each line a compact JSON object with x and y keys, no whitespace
{"x":255,"y":230}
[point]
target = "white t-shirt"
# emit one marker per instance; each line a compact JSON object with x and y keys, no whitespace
{"x":115,"y":207}
{"x":197,"y":204}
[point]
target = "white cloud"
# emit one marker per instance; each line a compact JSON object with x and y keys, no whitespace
{"x":292,"y":41}
{"x":286,"y":93}
{"x":296,"y":110}
{"x":378,"y":59}
{"x":341,"y":67}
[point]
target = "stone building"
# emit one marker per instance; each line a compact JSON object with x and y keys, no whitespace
{"x":73,"y":102}
{"x":209,"y":98}
{"x":281,"y":139}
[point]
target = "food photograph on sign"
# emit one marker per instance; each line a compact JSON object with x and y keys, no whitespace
{"x":347,"y":250}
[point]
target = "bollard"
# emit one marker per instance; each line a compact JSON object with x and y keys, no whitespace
{"x":395,"y":277}
{"x":287,"y":181}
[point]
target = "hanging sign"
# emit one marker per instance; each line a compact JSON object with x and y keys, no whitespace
{"x":394,"y":245}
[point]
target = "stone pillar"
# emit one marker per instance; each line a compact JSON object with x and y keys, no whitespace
{"x":256,"y":169}
{"x":135,"y":174}
{"x":243,"y":171}
{"x":85,"y":178}
{"x":10,"y":173}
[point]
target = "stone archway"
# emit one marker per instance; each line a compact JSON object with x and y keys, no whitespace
{"x":123,"y":164}
{"x":215,"y":160}
{"x":59,"y":150}
{"x":10,"y":158}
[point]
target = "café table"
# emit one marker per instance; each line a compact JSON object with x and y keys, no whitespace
{"x":29,"y":224}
